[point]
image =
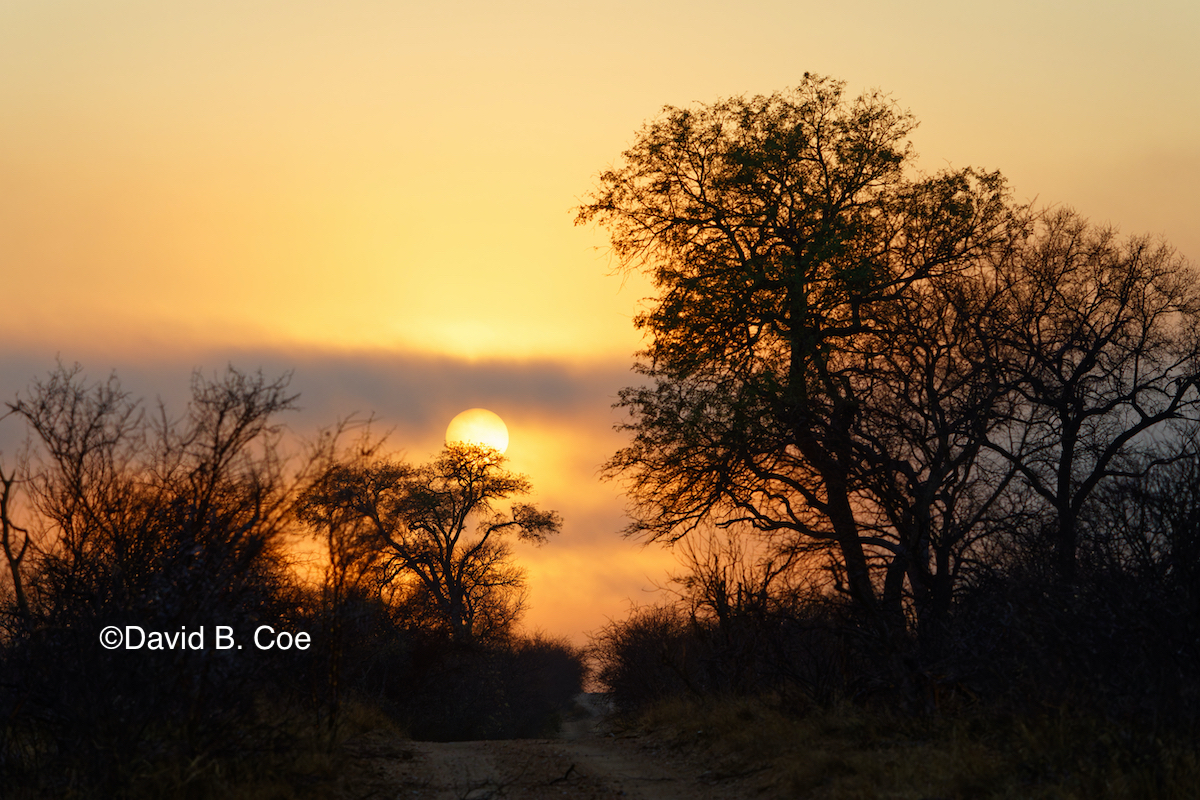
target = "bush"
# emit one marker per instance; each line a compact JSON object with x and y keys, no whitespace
{"x":517,"y":688}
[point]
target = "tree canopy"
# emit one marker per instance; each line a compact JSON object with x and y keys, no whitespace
{"x":847,"y":355}
{"x":779,"y":231}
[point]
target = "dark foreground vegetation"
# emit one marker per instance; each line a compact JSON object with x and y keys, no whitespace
{"x":930,"y":457}
{"x":398,"y":578}
{"x":850,"y":752}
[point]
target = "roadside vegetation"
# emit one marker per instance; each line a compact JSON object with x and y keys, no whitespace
{"x":116,"y":518}
{"x":853,"y":753}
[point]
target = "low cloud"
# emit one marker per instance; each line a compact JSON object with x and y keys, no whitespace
{"x":406,"y":391}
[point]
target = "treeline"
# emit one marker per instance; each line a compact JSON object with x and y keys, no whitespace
{"x":120,"y":518}
{"x":920,"y":445}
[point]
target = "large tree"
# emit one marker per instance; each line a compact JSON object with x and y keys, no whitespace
{"x":778,"y":232}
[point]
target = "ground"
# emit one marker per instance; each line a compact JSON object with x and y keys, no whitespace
{"x":592,"y":758}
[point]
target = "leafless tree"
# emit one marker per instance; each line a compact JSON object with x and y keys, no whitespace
{"x":15,"y":541}
{"x":1100,"y":345}
{"x":167,"y":523}
{"x":930,"y":392}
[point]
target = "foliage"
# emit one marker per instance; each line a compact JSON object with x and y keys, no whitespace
{"x":517,"y":688}
{"x":929,"y":458}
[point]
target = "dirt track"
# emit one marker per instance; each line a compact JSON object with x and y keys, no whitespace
{"x":587,"y":761}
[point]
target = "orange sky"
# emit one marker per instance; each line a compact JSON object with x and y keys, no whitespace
{"x":381,"y":193}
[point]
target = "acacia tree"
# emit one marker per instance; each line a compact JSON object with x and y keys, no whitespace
{"x":419,"y":516}
{"x":777,"y":231}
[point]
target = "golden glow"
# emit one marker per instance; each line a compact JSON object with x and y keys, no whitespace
{"x":478,"y":426}
{"x":186,"y":184}
{"x":319,"y":174}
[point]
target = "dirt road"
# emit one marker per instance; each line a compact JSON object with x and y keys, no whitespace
{"x":588,"y":761}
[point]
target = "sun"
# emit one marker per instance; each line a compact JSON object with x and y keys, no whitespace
{"x":478,"y":426}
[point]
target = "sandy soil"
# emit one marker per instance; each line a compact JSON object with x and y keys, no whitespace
{"x":588,"y":760}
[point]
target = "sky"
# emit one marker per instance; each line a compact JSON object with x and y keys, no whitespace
{"x":379,"y":196}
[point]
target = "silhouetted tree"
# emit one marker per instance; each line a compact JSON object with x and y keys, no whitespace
{"x":1100,"y":347}
{"x":84,"y":485}
{"x":931,"y":390}
{"x":420,"y":518}
{"x":736,"y":591}
{"x":349,"y":601}
{"x":15,"y":541}
{"x":778,"y":231}
{"x":1148,"y":526}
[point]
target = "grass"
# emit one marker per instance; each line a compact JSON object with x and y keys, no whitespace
{"x":849,"y":753}
{"x":291,"y":758}
{"x":309,"y":767}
